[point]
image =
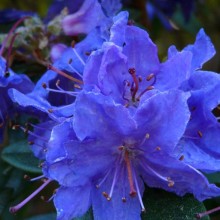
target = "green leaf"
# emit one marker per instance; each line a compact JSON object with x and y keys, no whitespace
{"x":50,"y":216}
{"x":5,"y":196}
{"x":19,"y":155}
{"x":213,"y":177}
{"x":162,"y":205}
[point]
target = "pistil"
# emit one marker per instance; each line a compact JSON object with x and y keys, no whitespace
{"x":130,"y":176}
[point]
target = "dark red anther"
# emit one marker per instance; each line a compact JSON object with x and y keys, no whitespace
{"x":131,"y":22}
{"x":132,"y":71}
{"x":44,"y":85}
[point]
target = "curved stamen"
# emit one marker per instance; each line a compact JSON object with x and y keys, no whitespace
{"x":50,"y":67}
{"x":103,"y":180}
{"x":37,"y":178}
{"x":60,"y":91}
{"x":138,"y":192}
{"x":9,"y":53}
{"x":77,"y":55}
{"x":10,"y":32}
{"x":20,"y":205}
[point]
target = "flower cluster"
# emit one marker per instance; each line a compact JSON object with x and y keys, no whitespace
{"x":115,"y":119}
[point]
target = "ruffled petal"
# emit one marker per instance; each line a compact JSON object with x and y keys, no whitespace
{"x":72,"y":202}
{"x":85,"y":19}
{"x":163,"y":117}
{"x":176,"y":176}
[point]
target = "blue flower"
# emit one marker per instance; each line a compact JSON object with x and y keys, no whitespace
{"x":92,"y":13}
{"x":127,"y":123}
{"x":8,"y":79}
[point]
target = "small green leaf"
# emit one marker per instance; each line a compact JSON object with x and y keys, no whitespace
{"x":19,"y":155}
{"x":162,"y":205}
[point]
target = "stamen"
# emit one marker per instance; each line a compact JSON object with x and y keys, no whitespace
{"x":37,"y":178}
{"x":75,"y":52}
{"x":138,"y":192}
{"x":59,"y":91}
{"x":103,"y":180}
{"x":147,"y":89}
{"x":113,"y":184}
{"x":181,"y":157}
{"x":147,"y":136}
{"x":10,"y":32}
{"x":203,"y":214}
{"x":50,"y":67}
{"x":74,"y":70}
{"x":8,"y":55}
{"x":130,"y":177}
{"x":190,"y":137}
{"x":20,"y":205}
{"x":145,"y":165}
{"x":25,"y":130}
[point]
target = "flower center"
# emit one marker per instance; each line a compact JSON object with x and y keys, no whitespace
{"x":133,"y":95}
{"x":124,"y":169}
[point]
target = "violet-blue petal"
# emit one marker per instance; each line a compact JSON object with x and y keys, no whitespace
{"x":118,"y":28}
{"x":85,"y":19}
{"x":72,"y":202}
{"x":58,"y":5}
{"x":107,"y":70}
{"x":57,"y":51}
{"x":161,"y":111}
{"x":202,"y":50}
{"x":111,"y":7}
{"x":169,"y":77}
{"x":186,"y":179}
{"x":96,"y":109}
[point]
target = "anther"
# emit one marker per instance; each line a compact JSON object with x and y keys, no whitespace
{"x":26,"y":177}
{"x":87,"y":53}
{"x":44,"y":85}
{"x":139,"y":78}
{"x":50,"y":110}
{"x":158,"y":148}
{"x":150,"y":76}
{"x":147,"y":136}
{"x":123,"y":199}
{"x":105,"y":194}
{"x":131,"y":22}
{"x":181,"y":157}
{"x":7,"y":74}
{"x":70,"y":61}
{"x":132,"y":71}
{"x":15,"y":127}
{"x":121,"y":148}
{"x":199,"y":133}
{"x":170,"y":182}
